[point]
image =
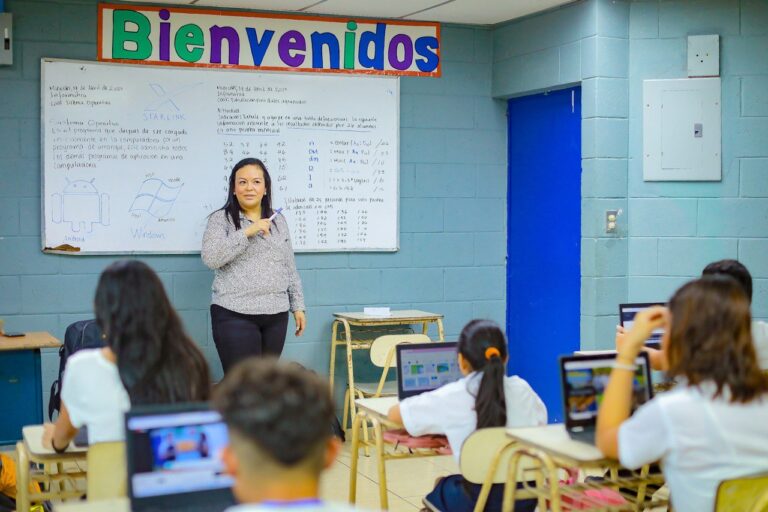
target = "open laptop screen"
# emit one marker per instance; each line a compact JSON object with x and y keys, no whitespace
{"x":175,"y":452}
{"x":627,"y":314}
{"x":584,"y":379}
{"x":425,"y":366}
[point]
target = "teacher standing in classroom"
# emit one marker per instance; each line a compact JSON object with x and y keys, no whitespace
{"x":256,"y":283}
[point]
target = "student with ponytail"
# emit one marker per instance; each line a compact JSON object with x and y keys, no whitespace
{"x":485,"y":397}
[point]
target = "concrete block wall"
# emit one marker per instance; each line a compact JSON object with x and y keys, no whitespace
{"x":584,"y":43}
{"x":677,"y":228}
{"x":452,"y":205}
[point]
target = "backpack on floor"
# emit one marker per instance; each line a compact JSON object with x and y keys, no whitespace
{"x":79,"y":335}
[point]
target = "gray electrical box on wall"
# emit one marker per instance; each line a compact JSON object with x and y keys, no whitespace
{"x":6,"y":39}
{"x":681,"y":130}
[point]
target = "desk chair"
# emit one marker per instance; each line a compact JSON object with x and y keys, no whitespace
{"x":745,"y":494}
{"x":67,"y":470}
{"x":382,"y":354}
{"x":484,"y":459}
{"x":106,"y":471}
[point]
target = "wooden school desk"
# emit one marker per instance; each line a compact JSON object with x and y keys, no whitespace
{"x":375,"y":410}
{"x":553,"y":449}
{"x":21,"y":393}
{"x":349,"y":320}
{"x":31,"y":449}
{"x":114,"y":505}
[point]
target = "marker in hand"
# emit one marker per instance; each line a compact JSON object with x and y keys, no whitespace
{"x":272,"y":217}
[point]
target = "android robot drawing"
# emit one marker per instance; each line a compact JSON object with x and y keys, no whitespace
{"x":81,"y":206}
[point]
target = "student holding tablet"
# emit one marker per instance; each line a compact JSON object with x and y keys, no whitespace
{"x":711,"y":426}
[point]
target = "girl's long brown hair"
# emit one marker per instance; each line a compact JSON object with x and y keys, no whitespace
{"x":711,"y":338}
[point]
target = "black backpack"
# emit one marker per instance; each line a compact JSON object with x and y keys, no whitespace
{"x":79,"y":335}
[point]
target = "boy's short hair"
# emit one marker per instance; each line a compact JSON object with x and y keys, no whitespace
{"x":282,"y":410}
{"x":732,"y":268}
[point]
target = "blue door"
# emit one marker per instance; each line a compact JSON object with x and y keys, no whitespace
{"x":543,"y":238}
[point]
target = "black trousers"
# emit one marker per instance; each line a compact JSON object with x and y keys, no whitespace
{"x":238,"y":336}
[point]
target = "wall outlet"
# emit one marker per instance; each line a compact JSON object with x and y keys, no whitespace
{"x":611,"y":220}
{"x":703,"y":56}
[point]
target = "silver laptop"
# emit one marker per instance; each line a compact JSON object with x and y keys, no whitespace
{"x":584,"y":379}
{"x":174,"y":459}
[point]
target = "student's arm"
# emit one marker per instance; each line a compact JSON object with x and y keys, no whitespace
{"x":617,"y":399}
{"x":394,"y":414}
{"x":60,"y":433}
{"x":657,"y":357}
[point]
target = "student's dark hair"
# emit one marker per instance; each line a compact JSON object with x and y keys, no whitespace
{"x":232,"y":206}
{"x":283,"y":409}
{"x":158,"y":363}
{"x":732,"y":268}
{"x":710,"y":338}
{"x":484,"y":346}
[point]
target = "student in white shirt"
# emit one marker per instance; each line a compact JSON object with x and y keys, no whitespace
{"x":712,"y":425}
{"x":739,"y":272}
{"x":149,"y":359}
{"x":280,"y":441}
{"x":485,"y":397}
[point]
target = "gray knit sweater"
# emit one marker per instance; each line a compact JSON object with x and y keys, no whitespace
{"x":255,"y":276}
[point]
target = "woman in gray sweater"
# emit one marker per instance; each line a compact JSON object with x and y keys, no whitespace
{"x":256,"y":283}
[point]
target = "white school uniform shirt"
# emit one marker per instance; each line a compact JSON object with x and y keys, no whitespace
{"x":94,"y":395}
{"x":760,"y":339}
{"x":699,"y":439}
{"x":321,"y":506}
{"x":450,"y":409}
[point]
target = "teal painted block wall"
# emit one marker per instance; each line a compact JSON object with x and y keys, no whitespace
{"x":583,"y":43}
{"x":676,"y":228}
{"x":453,"y":168}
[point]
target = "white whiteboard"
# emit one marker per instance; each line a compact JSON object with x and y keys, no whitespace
{"x":136,"y":157}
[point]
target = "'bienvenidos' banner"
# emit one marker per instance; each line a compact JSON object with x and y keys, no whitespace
{"x":238,"y":39}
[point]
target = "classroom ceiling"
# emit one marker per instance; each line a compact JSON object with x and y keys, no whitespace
{"x":472,"y":12}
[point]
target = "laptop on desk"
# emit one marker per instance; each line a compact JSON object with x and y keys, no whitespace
{"x":584,"y":379}
{"x":173,"y":454}
{"x":425,"y":366}
{"x":627,"y":314}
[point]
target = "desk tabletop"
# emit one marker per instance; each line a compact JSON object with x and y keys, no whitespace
{"x":403,"y":316}
{"x":378,"y":406}
{"x":554,"y":440}
{"x":30,"y":341}
{"x":33,"y":439}
{"x":113,"y":505}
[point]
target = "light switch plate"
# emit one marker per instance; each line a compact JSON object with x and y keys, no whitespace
{"x":6,"y":39}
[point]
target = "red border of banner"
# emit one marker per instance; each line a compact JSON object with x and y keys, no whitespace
{"x":247,"y":14}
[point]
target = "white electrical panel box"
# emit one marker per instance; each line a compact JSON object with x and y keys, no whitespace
{"x":681,"y":130}
{"x":703,"y":56}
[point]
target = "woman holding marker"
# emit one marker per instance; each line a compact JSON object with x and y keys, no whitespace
{"x":256,"y":283}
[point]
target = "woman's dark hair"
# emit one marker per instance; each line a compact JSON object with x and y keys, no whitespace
{"x":732,"y":268}
{"x":232,"y":206}
{"x":158,"y":363}
{"x":483,"y":345}
{"x":711,"y":338}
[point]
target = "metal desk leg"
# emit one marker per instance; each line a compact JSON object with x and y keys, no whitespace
{"x":383,"y":498}
{"x":22,"y":478}
{"x":440,"y":332}
{"x":354,"y":455}
{"x":334,"y":334}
